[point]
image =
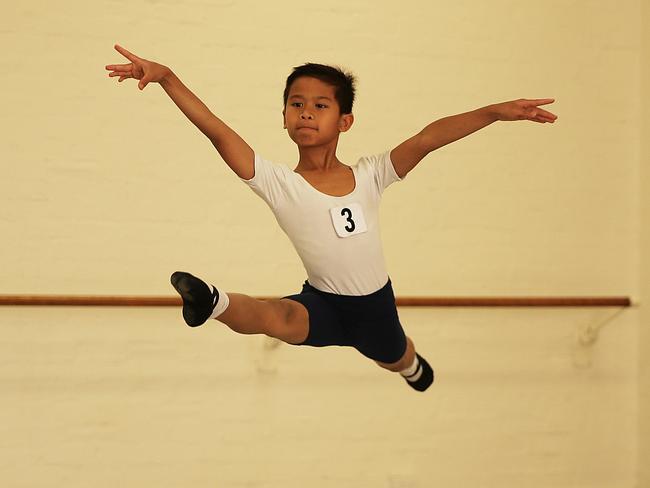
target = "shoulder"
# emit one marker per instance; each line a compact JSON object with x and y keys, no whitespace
{"x":266,"y":170}
{"x":380,"y":165}
{"x":271,"y":181}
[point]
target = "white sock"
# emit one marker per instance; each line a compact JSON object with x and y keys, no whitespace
{"x":221,"y":305}
{"x":413,"y":372}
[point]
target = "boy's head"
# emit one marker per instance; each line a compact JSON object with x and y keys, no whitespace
{"x":342,"y":82}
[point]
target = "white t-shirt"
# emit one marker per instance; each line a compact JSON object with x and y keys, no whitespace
{"x":337,"y":238}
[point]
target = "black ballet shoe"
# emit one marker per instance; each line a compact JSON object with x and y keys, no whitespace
{"x":198,"y":299}
{"x":426,"y":378}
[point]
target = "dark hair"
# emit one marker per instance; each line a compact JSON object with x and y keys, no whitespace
{"x":343,"y":82}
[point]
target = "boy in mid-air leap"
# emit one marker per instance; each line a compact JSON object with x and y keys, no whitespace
{"x":328,"y":210}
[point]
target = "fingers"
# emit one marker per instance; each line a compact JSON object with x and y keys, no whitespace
{"x":536,"y":114}
{"x":126,"y":74}
{"x":134,"y":69}
{"x":544,"y":115}
{"x":143,"y":83}
{"x":540,"y":101}
{"x":544,"y":118}
{"x":548,"y":116}
{"x":128,"y":55}
{"x":120,"y":67}
{"x":122,"y":74}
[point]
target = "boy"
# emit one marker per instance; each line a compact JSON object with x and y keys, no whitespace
{"x":328,"y":210}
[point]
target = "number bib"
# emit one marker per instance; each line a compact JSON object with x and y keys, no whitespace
{"x":348,"y":220}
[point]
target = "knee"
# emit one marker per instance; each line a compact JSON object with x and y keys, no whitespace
{"x":288,"y":321}
{"x":275,"y":318}
{"x":404,"y":362}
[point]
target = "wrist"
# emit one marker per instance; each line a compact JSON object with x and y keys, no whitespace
{"x":167,"y":77}
{"x":491,"y":112}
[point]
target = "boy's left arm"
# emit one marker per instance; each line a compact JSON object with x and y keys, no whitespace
{"x":449,"y":129}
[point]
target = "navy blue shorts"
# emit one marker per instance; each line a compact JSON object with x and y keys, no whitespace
{"x":368,"y":323}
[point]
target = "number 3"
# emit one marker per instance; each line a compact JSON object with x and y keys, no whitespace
{"x":349,"y":219}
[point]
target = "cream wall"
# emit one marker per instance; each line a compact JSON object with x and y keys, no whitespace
{"x":108,"y":182}
{"x":644,"y":323}
{"x":132,"y":398}
{"x":107,"y":189}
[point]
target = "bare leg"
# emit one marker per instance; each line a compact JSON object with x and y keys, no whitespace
{"x":283,"y":319}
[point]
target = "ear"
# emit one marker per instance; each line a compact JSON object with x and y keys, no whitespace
{"x":345,"y":122}
{"x":284,"y":119}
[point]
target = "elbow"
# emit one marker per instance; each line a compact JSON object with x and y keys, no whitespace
{"x":425,"y":143}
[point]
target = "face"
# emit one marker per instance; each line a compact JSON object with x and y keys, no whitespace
{"x":312,"y":115}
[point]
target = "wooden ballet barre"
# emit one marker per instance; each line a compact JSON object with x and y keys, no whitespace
{"x":170,"y":301}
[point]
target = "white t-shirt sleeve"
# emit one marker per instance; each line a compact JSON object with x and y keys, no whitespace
{"x":268,"y":181}
{"x":382,"y":170}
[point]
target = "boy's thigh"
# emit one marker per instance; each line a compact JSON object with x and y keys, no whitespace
{"x":323,"y":326}
{"x":381,"y":338}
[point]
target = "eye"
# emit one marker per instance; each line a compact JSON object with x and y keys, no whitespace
{"x":321,"y":105}
{"x":296,"y":104}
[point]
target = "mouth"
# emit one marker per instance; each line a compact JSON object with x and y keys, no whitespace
{"x":305,"y":127}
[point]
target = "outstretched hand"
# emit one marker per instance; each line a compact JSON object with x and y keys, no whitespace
{"x":139,"y":69}
{"x":524,"y":109}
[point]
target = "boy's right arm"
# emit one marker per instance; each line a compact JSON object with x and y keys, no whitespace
{"x":233,"y":149}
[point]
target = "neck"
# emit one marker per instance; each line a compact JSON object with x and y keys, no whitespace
{"x":318,"y":158}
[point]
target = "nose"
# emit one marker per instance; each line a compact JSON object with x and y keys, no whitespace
{"x":305,"y":115}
